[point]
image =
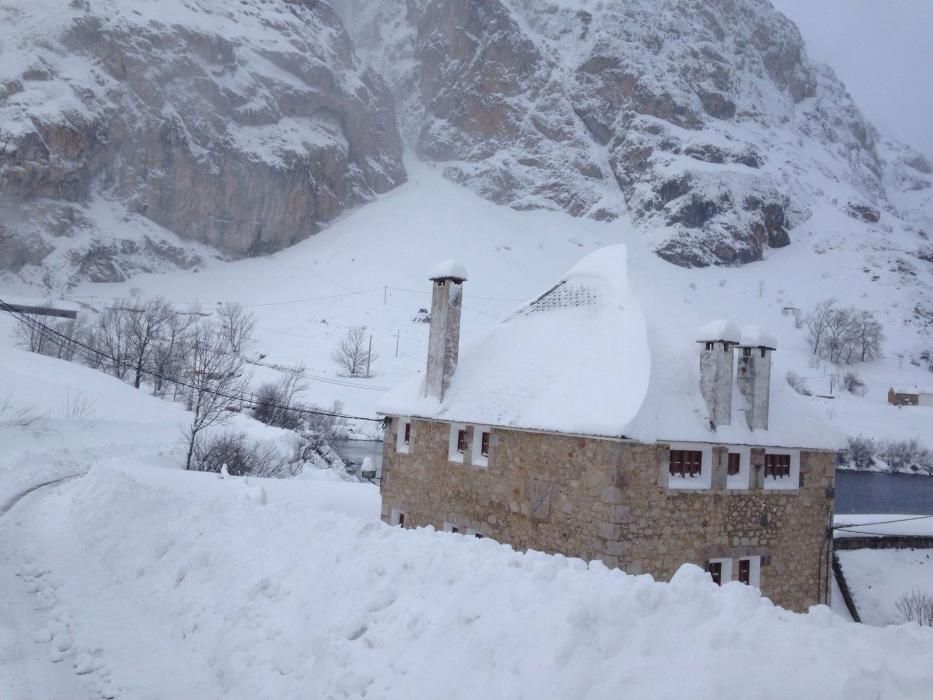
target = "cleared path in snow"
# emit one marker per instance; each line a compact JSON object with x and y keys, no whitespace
{"x":27,"y":671}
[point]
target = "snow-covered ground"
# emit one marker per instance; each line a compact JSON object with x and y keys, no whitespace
{"x":877,"y":578}
{"x":371,"y":267}
{"x":139,"y":580}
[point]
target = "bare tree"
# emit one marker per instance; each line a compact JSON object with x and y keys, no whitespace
{"x":146,"y":322}
{"x":111,"y":339}
{"x":916,"y":606}
{"x":237,"y":325}
{"x":353,"y":354}
{"x":816,"y":325}
{"x":168,"y":356}
{"x":215,"y":380}
{"x":276,"y":401}
{"x":869,"y":336}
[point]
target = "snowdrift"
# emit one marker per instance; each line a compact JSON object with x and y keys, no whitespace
{"x":284,"y":601}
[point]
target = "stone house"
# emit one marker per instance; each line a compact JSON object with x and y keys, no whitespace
{"x":910,"y":396}
{"x":583,"y":425}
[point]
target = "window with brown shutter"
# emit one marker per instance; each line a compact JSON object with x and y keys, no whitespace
{"x":401,"y":520}
{"x":455,"y":529}
{"x":715,"y":571}
{"x":408,"y":433}
{"x":745,"y":571}
{"x":777,"y":466}
{"x":484,"y":445}
{"x":686,"y":462}
{"x":461,"y":441}
{"x":735,"y":463}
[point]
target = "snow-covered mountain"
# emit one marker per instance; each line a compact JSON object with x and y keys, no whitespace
{"x":244,"y":126}
{"x":707,"y":117}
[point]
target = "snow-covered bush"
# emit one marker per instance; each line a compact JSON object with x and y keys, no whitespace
{"x":858,"y":454}
{"x":275,"y":401}
{"x":242,"y":456}
{"x":853,"y":383}
{"x":797,"y":383}
{"x":906,"y":455}
{"x":916,"y":606}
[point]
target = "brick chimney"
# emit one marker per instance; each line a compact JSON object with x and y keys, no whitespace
{"x":717,"y":340}
{"x":754,"y":374}
{"x":444,"y":338}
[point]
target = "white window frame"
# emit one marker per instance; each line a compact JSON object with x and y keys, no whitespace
{"x":743,"y":478}
{"x":726,"y":569}
{"x":691,"y":483}
{"x":395,"y":516}
{"x":477,"y":452}
{"x":785,"y":483}
{"x":453,"y":454}
{"x":754,"y":571}
{"x":400,"y":445}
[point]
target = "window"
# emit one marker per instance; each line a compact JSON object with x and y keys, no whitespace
{"x":750,"y":571}
{"x":777,"y":466}
{"x":403,"y":439}
{"x":709,"y":346}
{"x":457,"y":444}
{"x":397,"y":518}
{"x":689,"y":466}
{"x":738,"y":469}
{"x":720,"y":570}
{"x":745,"y":571}
{"x":450,"y":527}
{"x":481,"y":440}
{"x":735,"y":463}
{"x":686,"y":463}
{"x":746,"y":352}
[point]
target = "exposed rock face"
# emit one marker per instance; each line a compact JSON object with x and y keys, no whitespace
{"x":706,"y":114}
{"x":243,"y":125}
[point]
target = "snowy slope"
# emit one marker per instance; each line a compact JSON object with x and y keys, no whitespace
{"x":371,"y":268}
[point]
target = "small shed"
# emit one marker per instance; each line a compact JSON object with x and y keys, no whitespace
{"x":910,"y":396}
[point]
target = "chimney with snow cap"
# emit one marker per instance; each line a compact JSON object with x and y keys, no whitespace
{"x":754,"y":374}
{"x":717,"y":340}
{"x":444,"y":338}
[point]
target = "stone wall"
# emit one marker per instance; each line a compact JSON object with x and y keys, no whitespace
{"x":608,"y":500}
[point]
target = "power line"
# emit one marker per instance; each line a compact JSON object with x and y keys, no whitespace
{"x":883,"y":522}
{"x":242,"y":399}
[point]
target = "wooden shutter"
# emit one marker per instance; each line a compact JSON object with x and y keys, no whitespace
{"x":715,"y":571}
{"x":777,"y":466}
{"x":461,"y":441}
{"x":407,"y":433}
{"x":401,"y":520}
{"x":677,"y":463}
{"x":694,"y":462}
{"x":745,"y":571}
{"x":735,"y":462}
{"x":484,"y":445}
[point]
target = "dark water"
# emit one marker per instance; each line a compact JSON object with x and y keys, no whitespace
{"x":856,"y":492}
{"x":354,"y":451}
{"x":867,"y":492}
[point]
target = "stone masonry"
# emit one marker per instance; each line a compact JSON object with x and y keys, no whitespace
{"x":609,"y":500}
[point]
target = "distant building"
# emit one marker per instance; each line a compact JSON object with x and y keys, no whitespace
{"x":910,"y":396}
{"x":592,"y":423}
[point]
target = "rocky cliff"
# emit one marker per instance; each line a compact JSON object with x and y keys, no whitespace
{"x":705,"y":115}
{"x":244,"y":126}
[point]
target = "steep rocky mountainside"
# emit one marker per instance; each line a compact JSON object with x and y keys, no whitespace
{"x":706,"y":115}
{"x":241,"y":125}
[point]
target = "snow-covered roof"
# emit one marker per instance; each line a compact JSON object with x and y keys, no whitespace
{"x":757,"y":337}
{"x":915,"y":389}
{"x":584,"y":358}
{"x":719,"y":330}
{"x":449,"y":269}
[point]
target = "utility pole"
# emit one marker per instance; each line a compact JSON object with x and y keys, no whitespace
{"x":369,"y":355}
{"x":397,"y":334}
{"x":385,"y":295}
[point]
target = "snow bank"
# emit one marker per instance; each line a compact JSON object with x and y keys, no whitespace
{"x":286,"y":602}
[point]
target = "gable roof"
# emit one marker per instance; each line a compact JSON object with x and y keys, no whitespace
{"x":584,"y":359}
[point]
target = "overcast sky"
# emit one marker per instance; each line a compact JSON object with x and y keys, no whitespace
{"x":883,"y":51}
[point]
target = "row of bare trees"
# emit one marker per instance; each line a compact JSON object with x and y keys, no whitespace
{"x":843,"y":335}
{"x":149,"y":342}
